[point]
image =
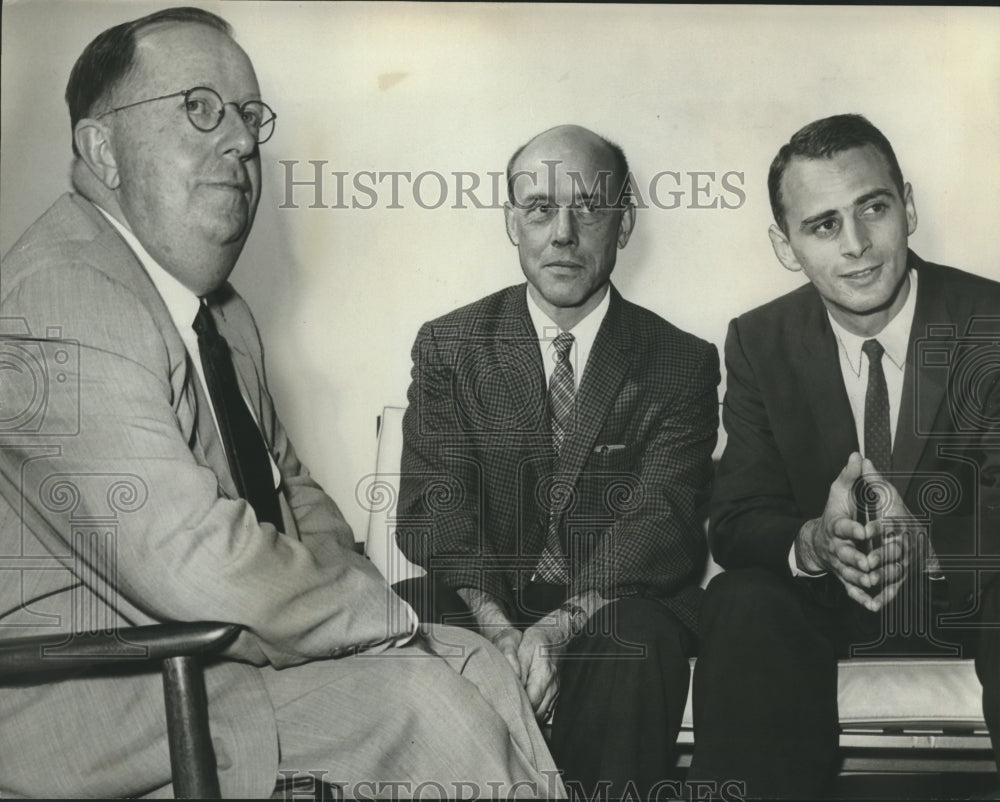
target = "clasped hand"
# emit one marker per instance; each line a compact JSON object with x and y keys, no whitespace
{"x":534,"y":654}
{"x":834,"y":542}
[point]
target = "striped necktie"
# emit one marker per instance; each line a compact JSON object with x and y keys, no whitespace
{"x":562,"y":392}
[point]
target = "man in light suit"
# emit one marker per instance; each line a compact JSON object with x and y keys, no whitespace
{"x":556,"y":444}
{"x":871,"y":391}
{"x":126,"y":416}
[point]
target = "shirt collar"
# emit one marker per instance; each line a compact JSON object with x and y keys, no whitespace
{"x":894,"y":338}
{"x":181,"y":303}
{"x":584,"y":332}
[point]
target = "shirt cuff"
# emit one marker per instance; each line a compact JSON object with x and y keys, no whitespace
{"x":794,"y":565}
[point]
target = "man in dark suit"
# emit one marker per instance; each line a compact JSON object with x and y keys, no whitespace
{"x":135,"y":404}
{"x":556,"y":444}
{"x":830,"y":553}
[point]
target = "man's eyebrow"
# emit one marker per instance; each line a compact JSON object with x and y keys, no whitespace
{"x":859,"y":201}
{"x":536,"y":195}
{"x":875,"y":193}
{"x":578,"y":197}
{"x":817,"y":218}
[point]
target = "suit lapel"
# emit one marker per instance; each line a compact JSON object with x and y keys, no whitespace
{"x":515,"y":354}
{"x":193,"y":410}
{"x":518,"y":354}
{"x":606,"y":368}
{"x":920,"y":402}
{"x":825,"y":394}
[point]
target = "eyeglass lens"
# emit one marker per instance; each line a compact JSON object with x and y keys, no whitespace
{"x":205,"y":109}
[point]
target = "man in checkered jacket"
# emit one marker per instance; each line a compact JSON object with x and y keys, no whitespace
{"x":557,"y":446}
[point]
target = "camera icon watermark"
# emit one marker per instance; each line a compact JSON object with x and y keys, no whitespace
{"x":40,"y":376}
{"x":966,"y":367}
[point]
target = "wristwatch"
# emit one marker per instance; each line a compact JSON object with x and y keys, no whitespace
{"x":577,"y":616}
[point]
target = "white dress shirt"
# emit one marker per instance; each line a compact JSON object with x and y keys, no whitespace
{"x":894,"y":338}
{"x":584,"y":333}
{"x":182,"y":305}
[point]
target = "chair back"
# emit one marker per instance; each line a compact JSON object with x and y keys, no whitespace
{"x":382,"y":493}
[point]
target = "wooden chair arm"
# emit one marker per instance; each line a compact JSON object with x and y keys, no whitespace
{"x":176,"y":647}
{"x":67,"y":652}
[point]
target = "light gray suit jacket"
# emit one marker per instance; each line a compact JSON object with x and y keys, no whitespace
{"x":117,"y":507}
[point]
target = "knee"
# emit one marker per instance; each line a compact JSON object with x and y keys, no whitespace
{"x":988,"y":645}
{"x":989,"y":603}
{"x":457,"y":645}
{"x":632,"y":622}
{"x":747,"y":600}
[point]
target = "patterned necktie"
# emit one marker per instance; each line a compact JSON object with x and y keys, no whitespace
{"x":878,"y":436}
{"x":244,"y":445}
{"x":562,"y":391}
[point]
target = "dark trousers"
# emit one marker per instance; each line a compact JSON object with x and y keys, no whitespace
{"x":765,"y":685}
{"x":623,"y":687}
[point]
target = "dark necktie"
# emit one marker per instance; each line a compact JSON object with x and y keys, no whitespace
{"x":562,"y":392}
{"x":244,"y":445}
{"x":878,"y":436}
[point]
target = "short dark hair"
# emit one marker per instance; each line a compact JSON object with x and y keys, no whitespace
{"x":823,"y":139}
{"x":110,"y":58}
{"x":621,"y":168}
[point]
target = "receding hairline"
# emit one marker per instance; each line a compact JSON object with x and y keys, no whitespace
{"x":595,"y":139}
{"x":162,"y":26}
{"x":108,"y":60}
{"x":618,"y":162}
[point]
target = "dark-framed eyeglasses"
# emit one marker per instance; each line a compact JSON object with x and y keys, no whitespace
{"x":205,"y":109}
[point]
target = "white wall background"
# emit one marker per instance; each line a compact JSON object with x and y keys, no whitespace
{"x":339,"y":293}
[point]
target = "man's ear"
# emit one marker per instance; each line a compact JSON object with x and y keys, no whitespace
{"x":626,"y":224}
{"x":783,"y":249}
{"x":508,"y":216}
{"x":93,"y":141}
{"x":911,"y":209}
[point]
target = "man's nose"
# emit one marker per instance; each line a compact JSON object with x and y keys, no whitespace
{"x":236,"y":134}
{"x":854,"y":238}
{"x":564,"y":227}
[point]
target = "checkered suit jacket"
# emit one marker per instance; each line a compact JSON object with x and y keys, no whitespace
{"x":479,"y":477}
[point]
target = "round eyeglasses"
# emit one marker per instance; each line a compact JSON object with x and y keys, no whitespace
{"x":205,"y":109}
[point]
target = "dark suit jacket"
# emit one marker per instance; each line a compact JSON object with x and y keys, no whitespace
{"x":790,"y":427}
{"x":478,"y":474}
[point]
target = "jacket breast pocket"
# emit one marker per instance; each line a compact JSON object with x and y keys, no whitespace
{"x":610,"y":485}
{"x":610,"y":457}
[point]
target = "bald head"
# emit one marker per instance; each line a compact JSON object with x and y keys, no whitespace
{"x":571,"y":149}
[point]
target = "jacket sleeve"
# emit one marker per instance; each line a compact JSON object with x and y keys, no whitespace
{"x":754,"y":518}
{"x":440,"y":517}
